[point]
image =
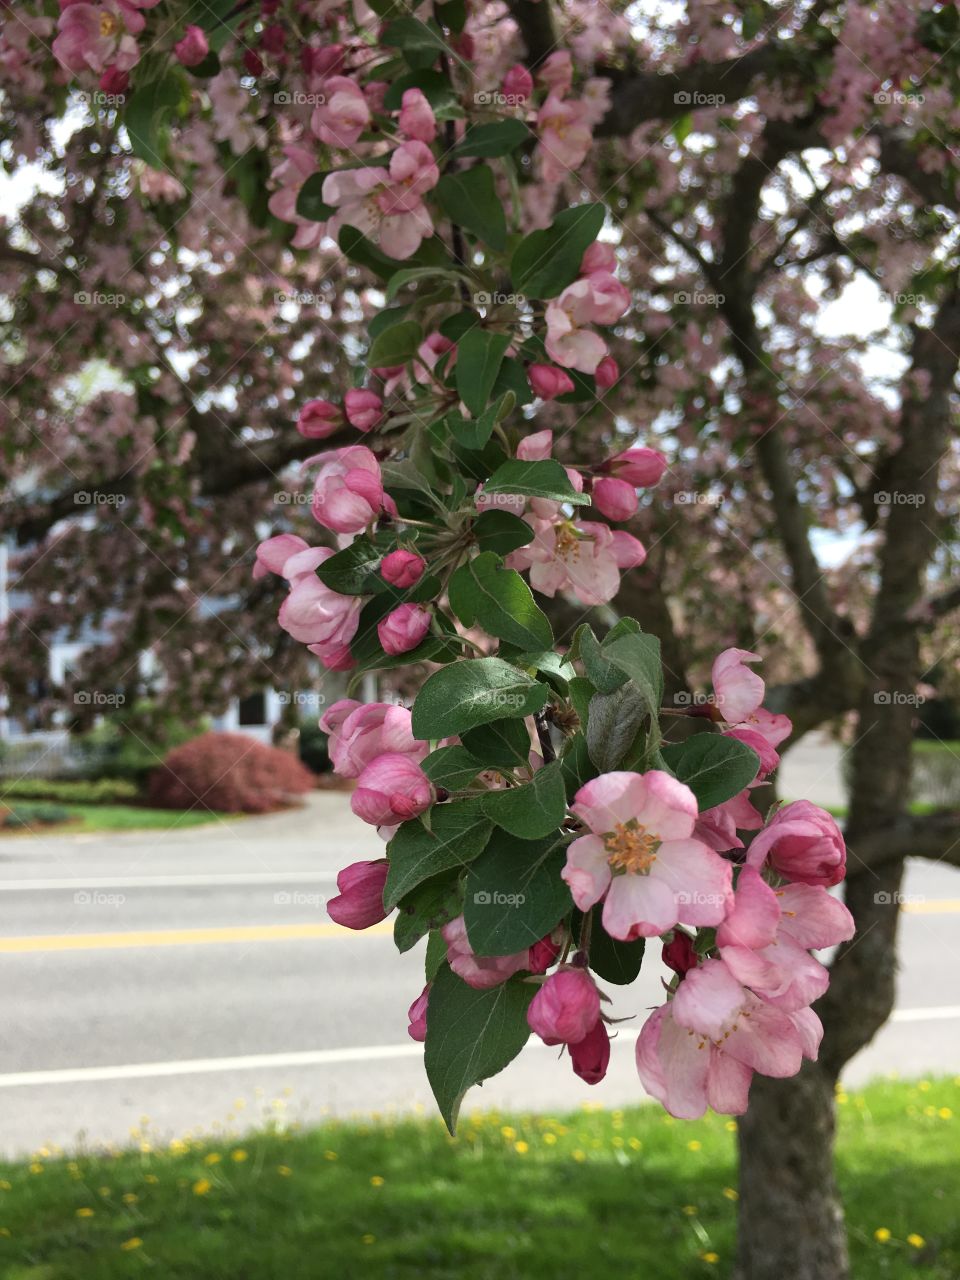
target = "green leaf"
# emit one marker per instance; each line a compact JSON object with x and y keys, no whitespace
{"x":473,"y":433}
{"x":482,"y":592}
{"x":436,"y":955}
{"x":497,"y":139}
{"x":218,"y":18}
{"x":610,"y":959}
{"x":413,"y":275}
{"x":421,"y":42}
{"x":513,"y":894}
{"x":505,"y":744}
{"x":473,"y":692}
{"x":606,"y":677}
{"x":310,"y":202}
{"x":576,"y":765}
{"x":365,"y":253}
{"x":451,"y":767}
{"x":615,"y":720}
{"x":395,"y":345}
{"x":471,"y":1035}
{"x":470,"y":200}
{"x":458,"y":832}
{"x":427,"y":907}
{"x":479,"y":354}
{"x":146,"y":114}
{"x":501,"y":531}
{"x":545,"y":262}
{"x":434,"y":86}
{"x":543,"y":479}
{"x":350,"y":571}
{"x":638,"y":654}
{"x":535,"y":809}
{"x":580,"y":692}
{"x":715,"y":768}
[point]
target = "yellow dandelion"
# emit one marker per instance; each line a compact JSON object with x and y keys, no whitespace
{"x":177,"y":1147}
{"x":36,"y":1167}
{"x":689,"y":1210}
{"x":842,"y":1097}
{"x":636,"y":1144}
{"x":129,"y":1197}
{"x":694,"y":1145}
{"x":929,"y":1111}
{"x":284,"y":1170}
{"x":945,"y":1113}
{"x":915,"y":1241}
{"x":212,"y":1157}
{"x":731,"y":1194}
{"x":508,"y":1132}
{"x":367,"y":1239}
{"x":129,"y":1245}
{"x":201,"y":1186}
{"x":330,"y":1155}
{"x":4,"y":1231}
{"x":731,"y":1126}
{"x":5,"y":1185}
{"x":376,"y":1180}
{"x":710,"y":1257}
{"x":521,"y":1148}
{"x":151,"y":1178}
{"x":616,"y":1141}
{"x":579,"y":1156}
{"x":550,"y":1139}
{"x":924,"y":1086}
{"x":882,"y":1235}
{"x":146,"y":1148}
{"x":238,"y":1156}
{"x":84,"y":1213}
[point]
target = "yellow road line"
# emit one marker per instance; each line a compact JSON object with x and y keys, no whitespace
{"x":183,"y":937}
{"x":933,"y":907}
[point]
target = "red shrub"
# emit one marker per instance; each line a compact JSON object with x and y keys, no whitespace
{"x":228,"y":772}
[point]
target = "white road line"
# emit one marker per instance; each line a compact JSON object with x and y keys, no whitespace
{"x":171,"y":881}
{"x":312,"y":1058}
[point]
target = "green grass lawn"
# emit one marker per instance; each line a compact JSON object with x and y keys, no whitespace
{"x":114,"y":817}
{"x":596,"y":1193}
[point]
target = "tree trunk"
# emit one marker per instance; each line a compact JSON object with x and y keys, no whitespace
{"x":791,"y":1218}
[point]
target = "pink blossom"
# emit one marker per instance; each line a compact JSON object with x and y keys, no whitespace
{"x":391,"y":789}
{"x":360,"y":732}
{"x":536,"y":447}
{"x":402,"y":568}
{"x":480,"y":972}
{"x":348,"y":492}
{"x":386,"y":201}
{"x":687,"y":1074}
{"x":543,"y":954}
{"x":718,"y":826}
{"x":629,"y":552}
{"x":713,"y":1004}
{"x":274,"y":553}
{"x":803,"y":843}
{"x":679,"y":954}
{"x":565,"y":138}
{"x":595,"y":299}
{"x":91,"y":36}
{"x":319,"y":419}
{"x":769,"y":757}
{"x":364,"y":409}
{"x":739,"y":691}
{"x":360,"y":901}
{"x":583,"y":558}
{"x":517,"y":84}
{"x":322,"y":618}
{"x":557,"y":72}
{"x":765,"y":937}
{"x":403,"y":628}
{"x":548,"y":381}
{"x":639,"y":467}
{"x":598,"y":257}
{"x":641,"y":857}
{"x":607,"y":373}
{"x":193,"y":47}
{"x":590,"y":1056}
{"x":614,"y":498}
{"x":416,"y":116}
{"x":343,"y":116}
{"x":417,"y":1016}
{"x":565,"y":1008}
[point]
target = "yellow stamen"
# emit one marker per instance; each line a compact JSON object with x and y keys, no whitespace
{"x":109,"y":24}
{"x":630,"y":847}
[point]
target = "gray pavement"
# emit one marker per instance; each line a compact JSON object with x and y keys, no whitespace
{"x":238,"y":990}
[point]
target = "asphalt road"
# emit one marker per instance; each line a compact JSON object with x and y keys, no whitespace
{"x":194,"y":978}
